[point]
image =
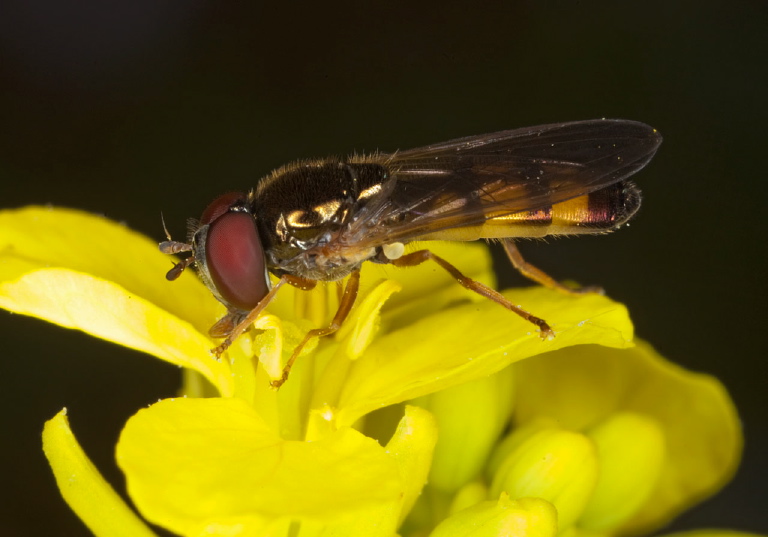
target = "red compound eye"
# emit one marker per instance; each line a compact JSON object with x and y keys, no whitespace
{"x":235,"y":258}
{"x":221,"y":206}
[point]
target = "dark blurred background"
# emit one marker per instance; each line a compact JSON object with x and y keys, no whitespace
{"x":130,"y":108}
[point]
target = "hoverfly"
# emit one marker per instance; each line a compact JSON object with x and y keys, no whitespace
{"x":319,"y":220}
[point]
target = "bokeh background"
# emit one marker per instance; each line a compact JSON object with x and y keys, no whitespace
{"x":130,"y":108}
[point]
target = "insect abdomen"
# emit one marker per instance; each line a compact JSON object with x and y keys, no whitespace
{"x":600,"y":211}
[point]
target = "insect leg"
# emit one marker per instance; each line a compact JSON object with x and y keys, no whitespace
{"x":420,"y":256}
{"x":247,"y":321}
{"x":539,"y":276}
{"x":345,"y":306}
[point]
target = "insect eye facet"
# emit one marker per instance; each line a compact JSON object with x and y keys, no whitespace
{"x":235,"y":260}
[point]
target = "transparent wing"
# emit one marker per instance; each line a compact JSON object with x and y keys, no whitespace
{"x":467,"y":181}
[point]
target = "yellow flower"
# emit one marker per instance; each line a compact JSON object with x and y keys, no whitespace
{"x":339,"y":450}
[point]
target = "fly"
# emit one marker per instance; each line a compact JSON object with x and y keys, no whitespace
{"x":320,"y":220}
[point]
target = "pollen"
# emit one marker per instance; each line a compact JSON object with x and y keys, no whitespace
{"x":394,"y":250}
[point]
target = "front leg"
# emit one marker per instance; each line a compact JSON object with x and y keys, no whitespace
{"x":345,"y":306}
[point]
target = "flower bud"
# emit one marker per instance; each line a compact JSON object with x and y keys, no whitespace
{"x":528,"y":517}
{"x":470,"y":418}
{"x":510,"y":443}
{"x":468,"y":495}
{"x":631,"y":452}
{"x":556,"y":465}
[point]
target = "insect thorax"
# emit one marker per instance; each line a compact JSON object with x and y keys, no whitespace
{"x":303,"y":209}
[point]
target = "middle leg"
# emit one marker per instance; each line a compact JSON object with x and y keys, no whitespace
{"x":420,"y":256}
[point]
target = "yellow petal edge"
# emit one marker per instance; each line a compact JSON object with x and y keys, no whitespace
{"x":84,"y":489}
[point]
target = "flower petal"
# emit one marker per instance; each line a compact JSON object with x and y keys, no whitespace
{"x":474,"y":340}
{"x":83,"y":242}
{"x":192,"y":462}
{"x":583,"y":386}
{"x":411,"y":447}
{"x":360,"y":329}
{"x":85,"y":272}
{"x":106,"y":310}
{"x":84,"y":489}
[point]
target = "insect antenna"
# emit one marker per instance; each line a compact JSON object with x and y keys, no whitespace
{"x":174,"y":247}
